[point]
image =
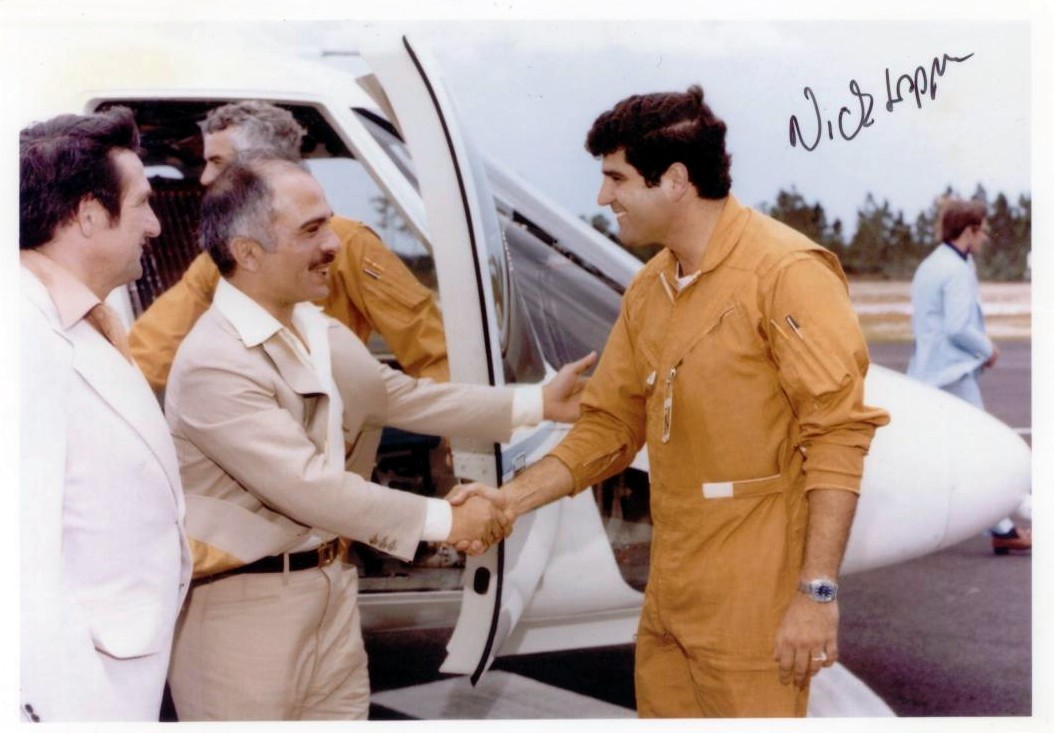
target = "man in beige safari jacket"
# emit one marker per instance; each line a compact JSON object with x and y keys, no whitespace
{"x":276,"y":411}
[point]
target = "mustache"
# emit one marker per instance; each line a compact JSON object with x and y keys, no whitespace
{"x":325,"y":259}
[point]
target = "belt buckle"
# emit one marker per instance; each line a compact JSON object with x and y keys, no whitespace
{"x":327,"y":553}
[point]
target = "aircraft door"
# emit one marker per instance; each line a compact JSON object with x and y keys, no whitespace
{"x":472,"y":271}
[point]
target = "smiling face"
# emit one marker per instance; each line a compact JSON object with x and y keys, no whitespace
{"x":123,"y":237}
{"x":642,"y":212}
{"x":297,"y":269}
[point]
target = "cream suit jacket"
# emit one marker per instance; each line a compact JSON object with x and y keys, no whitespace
{"x":250,"y":428}
{"x":104,"y":562}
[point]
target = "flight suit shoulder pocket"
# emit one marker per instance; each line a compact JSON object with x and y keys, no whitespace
{"x":404,"y":292}
{"x":817,"y":373}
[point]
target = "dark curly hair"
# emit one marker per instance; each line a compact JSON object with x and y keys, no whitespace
{"x":64,"y":160}
{"x":657,"y":130}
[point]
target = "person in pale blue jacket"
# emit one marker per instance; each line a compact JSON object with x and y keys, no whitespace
{"x":951,"y":347}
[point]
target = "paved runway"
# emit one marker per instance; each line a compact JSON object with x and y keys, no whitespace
{"x":945,"y":635}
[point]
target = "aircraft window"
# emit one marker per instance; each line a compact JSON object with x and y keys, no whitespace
{"x":522,"y":360}
{"x":385,"y":134}
{"x":353,"y":194}
{"x":571,"y":310}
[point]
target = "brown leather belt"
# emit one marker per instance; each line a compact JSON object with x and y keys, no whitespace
{"x":320,"y":557}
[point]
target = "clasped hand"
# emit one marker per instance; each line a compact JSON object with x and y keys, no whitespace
{"x":481,"y":517}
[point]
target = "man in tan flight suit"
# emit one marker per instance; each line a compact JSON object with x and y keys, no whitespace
{"x":738,"y":359}
{"x":370,"y":289}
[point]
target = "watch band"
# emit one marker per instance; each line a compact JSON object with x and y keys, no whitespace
{"x":821,"y":590}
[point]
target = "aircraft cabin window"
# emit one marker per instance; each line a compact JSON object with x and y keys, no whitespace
{"x":521,"y":357}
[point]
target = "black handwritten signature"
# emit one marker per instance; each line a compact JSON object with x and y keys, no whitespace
{"x":851,"y":120}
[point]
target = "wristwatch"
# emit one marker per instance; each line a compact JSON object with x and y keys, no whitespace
{"x":820,"y":590}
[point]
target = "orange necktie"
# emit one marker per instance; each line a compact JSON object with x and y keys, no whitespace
{"x":108,"y":323}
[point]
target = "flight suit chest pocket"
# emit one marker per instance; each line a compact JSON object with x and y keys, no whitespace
{"x":716,"y":402}
{"x":709,"y":370}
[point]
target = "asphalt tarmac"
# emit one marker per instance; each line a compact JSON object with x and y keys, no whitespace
{"x":949,"y":634}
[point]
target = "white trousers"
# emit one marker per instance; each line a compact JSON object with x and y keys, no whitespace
{"x":272,"y":646}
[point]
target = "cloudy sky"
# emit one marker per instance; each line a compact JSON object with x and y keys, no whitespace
{"x":529,"y":89}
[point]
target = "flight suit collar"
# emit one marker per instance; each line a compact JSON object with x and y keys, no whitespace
{"x":704,"y":301}
{"x":729,"y":230}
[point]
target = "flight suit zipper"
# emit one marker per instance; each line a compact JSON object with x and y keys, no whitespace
{"x":667,"y":402}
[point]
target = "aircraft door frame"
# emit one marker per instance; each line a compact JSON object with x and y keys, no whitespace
{"x":472,"y":271}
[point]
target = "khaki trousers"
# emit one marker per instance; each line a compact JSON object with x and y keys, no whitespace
{"x":272,"y":646}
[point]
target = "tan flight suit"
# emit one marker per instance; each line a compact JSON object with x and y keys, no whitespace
{"x":748,"y":387}
{"x":370,"y":289}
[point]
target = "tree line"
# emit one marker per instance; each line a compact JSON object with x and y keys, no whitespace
{"x":885,"y":244}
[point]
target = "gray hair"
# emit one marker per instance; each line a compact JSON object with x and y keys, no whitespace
{"x":240,"y":203}
{"x":258,"y":126}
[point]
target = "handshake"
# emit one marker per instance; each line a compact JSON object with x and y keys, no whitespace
{"x":482,"y":516}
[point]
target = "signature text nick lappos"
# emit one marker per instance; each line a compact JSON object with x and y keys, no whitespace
{"x":859,"y":114}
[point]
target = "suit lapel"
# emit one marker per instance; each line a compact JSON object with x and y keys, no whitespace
{"x":122,"y":386}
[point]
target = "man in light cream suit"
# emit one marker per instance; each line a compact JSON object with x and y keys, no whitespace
{"x":276,"y":410}
{"x":104,"y":561}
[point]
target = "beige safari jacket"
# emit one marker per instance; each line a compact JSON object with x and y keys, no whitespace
{"x":370,"y":290}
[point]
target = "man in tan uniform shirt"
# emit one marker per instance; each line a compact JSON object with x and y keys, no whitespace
{"x":738,"y":359}
{"x":370,"y":287}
